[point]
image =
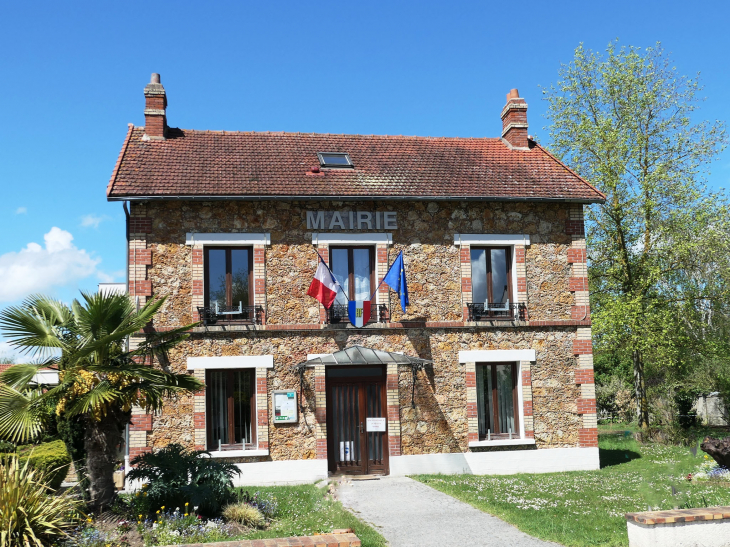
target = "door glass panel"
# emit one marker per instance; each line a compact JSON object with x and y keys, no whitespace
{"x":478,"y":276}
{"x":216,"y":277}
{"x":239,"y":277}
{"x":217,"y":409}
{"x":505,"y":399}
{"x":500,"y":294}
{"x":346,"y":424}
{"x":361,"y":267}
{"x":242,"y":392}
{"x":374,"y":410}
{"x":489,"y":399}
{"x":341,"y":268}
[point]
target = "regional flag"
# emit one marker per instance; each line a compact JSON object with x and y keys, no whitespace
{"x":396,"y":280}
{"x":324,"y":285}
{"x":359,"y":312}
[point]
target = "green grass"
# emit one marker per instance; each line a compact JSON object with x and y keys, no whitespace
{"x":305,"y":510}
{"x":583,"y":508}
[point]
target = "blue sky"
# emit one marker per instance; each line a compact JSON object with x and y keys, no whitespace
{"x":72,"y":74}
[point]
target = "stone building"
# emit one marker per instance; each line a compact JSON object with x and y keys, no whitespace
{"x":488,"y":369}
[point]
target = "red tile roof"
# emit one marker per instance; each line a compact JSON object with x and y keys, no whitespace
{"x":199,"y":164}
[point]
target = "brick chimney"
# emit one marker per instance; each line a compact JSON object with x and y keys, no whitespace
{"x":514,"y":120}
{"x":155,"y":103}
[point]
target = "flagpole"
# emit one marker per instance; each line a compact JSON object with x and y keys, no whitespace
{"x":333,"y":276}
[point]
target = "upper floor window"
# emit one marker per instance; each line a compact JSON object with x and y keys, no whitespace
{"x":231,"y":407}
{"x":354,"y":269}
{"x":228,"y":278}
{"x":497,"y":401}
{"x":490,"y":280}
{"x":334,"y":159}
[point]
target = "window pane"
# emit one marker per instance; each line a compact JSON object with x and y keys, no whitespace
{"x":242,"y":392}
{"x":335,"y":159}
{"x":216,"y":277}
{"x":239,"y":277}
{"x":489,"y":399}
{"x":505,"y":399}
{"x":478,"y":276}
{"x":340,"y":268}
{"x":500,"y":294}
{"x":361,"y":265}
{"x":217,"y":409}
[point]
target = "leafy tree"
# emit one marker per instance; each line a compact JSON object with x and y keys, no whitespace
{"x":100,"y":379}
{"x":625,"y":122}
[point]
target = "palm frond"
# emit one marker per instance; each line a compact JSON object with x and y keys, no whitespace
{"x":36,"y":325}
{"x":21,"y":414}
{"x":19,"y":376}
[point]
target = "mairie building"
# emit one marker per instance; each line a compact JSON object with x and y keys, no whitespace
{"x":488,"y":370}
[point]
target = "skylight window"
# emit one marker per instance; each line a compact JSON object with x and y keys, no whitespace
{"x":334,"y":159}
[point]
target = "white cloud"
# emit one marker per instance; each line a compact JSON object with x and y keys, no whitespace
{"x":21,"y":210}
{"x":37,"y":269}
{"x":92,"y":221}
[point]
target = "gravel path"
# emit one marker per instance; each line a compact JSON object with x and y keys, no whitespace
{"x":408,"y":513}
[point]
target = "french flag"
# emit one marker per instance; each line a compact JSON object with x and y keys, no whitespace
{"x":324,"y":285}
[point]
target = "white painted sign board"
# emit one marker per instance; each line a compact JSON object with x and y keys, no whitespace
{"x":374,"y":425}
{"x":285,"y":406}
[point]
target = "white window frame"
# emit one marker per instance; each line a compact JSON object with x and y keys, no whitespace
{"x":233,"y":362}
{"x":231,"y":238}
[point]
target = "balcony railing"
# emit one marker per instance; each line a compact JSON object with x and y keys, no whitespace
{"x":245,"y":315}
{"x":338,"y":314}
{"x":496,"y":312}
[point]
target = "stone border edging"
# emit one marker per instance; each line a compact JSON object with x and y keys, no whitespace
{"x":325,"y":540}
{"x":679,"y":515}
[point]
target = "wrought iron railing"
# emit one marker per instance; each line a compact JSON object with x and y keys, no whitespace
{"x":211,"y":315}
{"x":497,"y":312}
{"x":338,"y":314}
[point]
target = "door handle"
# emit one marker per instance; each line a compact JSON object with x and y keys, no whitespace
{"x":361,"y":429}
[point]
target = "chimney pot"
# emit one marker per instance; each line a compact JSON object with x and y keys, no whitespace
{"x":514,"y":121}
{"x":155,"y":78}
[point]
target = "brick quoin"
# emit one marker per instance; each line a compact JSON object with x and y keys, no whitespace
{"x":320,"y":414}
{"x":521,"y":284}
{"x":582,"y":347}
{"x":140,"y":288}
{"x":574,"y":227}
{"x":199,"y":420}
{"x":588,"y":437}
{"x":526,"y":378}
{"x":197,"y":287}
{"x":530,"y":434}
{"x":393,"y":413}
{"x":584,"y":376}
{"x":471,"y":379}
{"x":473,"y":437}
{"x":319,"y":383}
{"x":382,"y":288}
{"x":141,"y":257}
{"x":576,"y":256}
{"x":465,"y":256}
{"x":580,"y":313}
{"x":578,"y":284}
{"x":199,"y":447}
{"x":527,"y":408}
{"x":586,"y":406}
{"x":263,"y":417}
{"x":391,"y":380}
{"x":520,"y":256}
{"x":138,"y":451}
{"x":394,"y":445}
{"x":198,"y":256}
{"x":141,"y":422}
{"x":261,"y":386}
{"x":471,"y":410}
{"x":140,"y":225}
{"x":465,"y":284}
{"x":263,"y":445}
{"x":321,"y":449}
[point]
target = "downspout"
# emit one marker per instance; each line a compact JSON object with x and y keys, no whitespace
{"x":126,"y":427}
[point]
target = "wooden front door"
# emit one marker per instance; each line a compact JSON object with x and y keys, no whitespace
{"x":355,"y":394}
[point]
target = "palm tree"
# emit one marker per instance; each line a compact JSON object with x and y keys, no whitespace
{"x":100,"y":377}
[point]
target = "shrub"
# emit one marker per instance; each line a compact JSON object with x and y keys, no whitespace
{"x":265,"y":503}
{"x":245,"y":514}
{"x":29,"y":515}
{"x":174,"y":474}
{"x":49,"y":458}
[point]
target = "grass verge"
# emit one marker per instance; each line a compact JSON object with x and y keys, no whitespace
{"x":305,"y":510}
{"x":583,"y":508}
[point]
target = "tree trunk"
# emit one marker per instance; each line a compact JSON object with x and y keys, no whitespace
{"x":102,"y":442}
{"x":642,"y":406}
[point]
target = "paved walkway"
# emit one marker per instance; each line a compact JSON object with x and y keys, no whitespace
{"x":408,"y":513}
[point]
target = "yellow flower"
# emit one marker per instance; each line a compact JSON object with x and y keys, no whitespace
{"x":139,"y":517}
{"x":707,"y":457}
{"x":163,"y":508}
{"x":158,"y":511}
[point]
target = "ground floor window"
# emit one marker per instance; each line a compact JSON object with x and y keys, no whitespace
{"x":230,"y":397}
{"x":497,"y":401}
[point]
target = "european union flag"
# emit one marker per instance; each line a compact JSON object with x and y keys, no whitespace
{"x":396,"y":280}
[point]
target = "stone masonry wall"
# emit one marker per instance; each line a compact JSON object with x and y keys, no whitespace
{"x":437,"y":424}
{"x":425,"y":233}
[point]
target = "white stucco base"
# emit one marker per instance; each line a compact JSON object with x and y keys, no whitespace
{"x":498,"y":463}
{"x":280,"y":472}
{"x":705,"y":533}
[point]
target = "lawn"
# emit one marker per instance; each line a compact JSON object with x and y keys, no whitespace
{"x":307,"y":509}
{"x":587,"y":507}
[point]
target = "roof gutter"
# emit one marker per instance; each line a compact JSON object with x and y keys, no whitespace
{"x":352,"y":198}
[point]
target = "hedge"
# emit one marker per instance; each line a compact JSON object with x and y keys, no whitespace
{"x":51,"y":458}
